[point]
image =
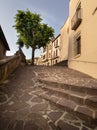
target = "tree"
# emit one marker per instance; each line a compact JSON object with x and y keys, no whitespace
{"x":31,"y":31}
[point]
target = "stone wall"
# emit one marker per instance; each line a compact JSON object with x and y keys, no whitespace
{"x":8,"y":65}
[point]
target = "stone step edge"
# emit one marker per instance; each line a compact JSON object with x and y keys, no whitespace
{"x":81,"y":89}
{"x":76,"y":97}
{"x":70,"y":106}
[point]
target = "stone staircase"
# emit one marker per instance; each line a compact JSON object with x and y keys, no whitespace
{"x":76,"y":99}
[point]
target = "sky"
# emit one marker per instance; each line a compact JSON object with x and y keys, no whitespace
{"x":53,"y":12}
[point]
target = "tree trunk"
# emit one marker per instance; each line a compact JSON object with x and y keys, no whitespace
{"x":33,"y":52}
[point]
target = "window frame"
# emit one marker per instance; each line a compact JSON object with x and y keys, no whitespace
{"x":77,"y":46}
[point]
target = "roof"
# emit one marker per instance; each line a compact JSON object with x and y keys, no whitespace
{"x":2,"y":37}
{"x":56,"y":37}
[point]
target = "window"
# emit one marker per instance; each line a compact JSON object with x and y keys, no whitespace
{"x":77,"y":18}
{"x":77,"y":46}
{"x":49,"y":55}
{"x":56,"y":43}
{"x":78,"y":10}
{"x":56,"y":62}
{"x":43,"y":56}
{"x":56,"y":53}
{"x":79,"y":7}
{"x":48,"y":64}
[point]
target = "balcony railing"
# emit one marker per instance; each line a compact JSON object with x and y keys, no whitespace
{"x":56,"y":45}
{"x":76,"y":20}
{"x":55,"y":56}
{"x":44,"y":60}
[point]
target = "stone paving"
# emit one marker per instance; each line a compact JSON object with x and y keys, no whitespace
{"x":20,"y":109}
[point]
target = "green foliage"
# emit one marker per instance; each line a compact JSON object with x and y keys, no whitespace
{"x":20,"y":42}
{"x":31,"y":31}
{"x":28,"y":61}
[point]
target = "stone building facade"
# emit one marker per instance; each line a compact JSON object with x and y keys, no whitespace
{"x":51,"y":53}
{"x":56,"y":50}
{"x":46,"y":56}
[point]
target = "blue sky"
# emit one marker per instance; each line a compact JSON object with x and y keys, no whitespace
{"x":53,"y":12}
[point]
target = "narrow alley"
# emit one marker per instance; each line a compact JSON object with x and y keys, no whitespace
{"x":34,"y":98}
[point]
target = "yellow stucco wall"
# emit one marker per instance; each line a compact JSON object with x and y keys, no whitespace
{"x":64,"y":40}
{"x":56,"y":57}
{"x":87,"y":61}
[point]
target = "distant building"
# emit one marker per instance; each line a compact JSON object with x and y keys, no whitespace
{"x":44,"y":58}
{"x":50,"y":55}
{"x":39,"y":60}
{"x":56,"y":50}
{"x":3,"y":45}
{"x":36,"y":61}
{"x":83,"y":36}
{"x":47,"y":54}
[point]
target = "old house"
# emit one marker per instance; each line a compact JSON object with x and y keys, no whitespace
{"x":3,"y":45}
{"x":56,"y":50}
{"x":51,"y":53}
{"x":44,"y":56}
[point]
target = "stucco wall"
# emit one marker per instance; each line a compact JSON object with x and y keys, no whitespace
{"x":64,"y":41}
{"x":87,"y":61}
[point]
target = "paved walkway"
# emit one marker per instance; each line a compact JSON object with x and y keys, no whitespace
{"x":20,"y":109}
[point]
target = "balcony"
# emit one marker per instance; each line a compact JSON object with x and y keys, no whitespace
{"x":44,"y":60}
{"x":76,"y":20}
{"x":56,"y":45}
{"x":55,"y":56}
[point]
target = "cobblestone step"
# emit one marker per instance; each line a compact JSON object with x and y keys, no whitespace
{"x":77,"y":97}
{"x":85,"y":89}
{"x":23,"y":105}
{"x":82,"y":95}
{"x":80,"y":100}
{"x":82,"y":111}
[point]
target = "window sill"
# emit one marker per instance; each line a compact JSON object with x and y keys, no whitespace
{"x":78,"y":55}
